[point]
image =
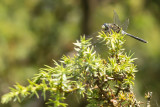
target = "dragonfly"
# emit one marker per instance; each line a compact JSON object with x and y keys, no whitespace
{"x":117,"y":27}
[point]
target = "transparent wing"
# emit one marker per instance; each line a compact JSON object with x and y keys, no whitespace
{"x":125,"y":25}
{"x":116,"y":18}
{"x":118,"y":22}
{"x":93,"y":36}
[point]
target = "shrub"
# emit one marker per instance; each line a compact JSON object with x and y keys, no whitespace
{"x":104,"y":82}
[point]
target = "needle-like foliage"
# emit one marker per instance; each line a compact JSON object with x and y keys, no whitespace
{"x":104,"y":82}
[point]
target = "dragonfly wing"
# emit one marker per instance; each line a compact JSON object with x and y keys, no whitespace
{"x":93,"y":36}
{"x":118,"y":22}
{"x":125,"y":25}
{"x":116,"y":18}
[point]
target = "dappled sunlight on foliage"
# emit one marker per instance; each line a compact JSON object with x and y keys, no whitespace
{"x":33,"y":32}
{"x":104,"y":82}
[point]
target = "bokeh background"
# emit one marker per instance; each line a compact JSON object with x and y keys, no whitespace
{"x":33,"y":32}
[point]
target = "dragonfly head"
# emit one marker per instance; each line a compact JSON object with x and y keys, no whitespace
{"x":105,"y":26}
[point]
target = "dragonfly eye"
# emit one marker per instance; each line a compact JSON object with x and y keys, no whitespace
{"x":105,"y":27}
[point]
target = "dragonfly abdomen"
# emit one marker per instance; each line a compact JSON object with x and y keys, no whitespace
{"x":137,"y":38}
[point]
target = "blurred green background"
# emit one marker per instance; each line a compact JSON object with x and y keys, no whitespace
{"x":33,"y":32}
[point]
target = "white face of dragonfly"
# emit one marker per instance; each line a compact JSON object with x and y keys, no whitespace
{"x":105,"y":27}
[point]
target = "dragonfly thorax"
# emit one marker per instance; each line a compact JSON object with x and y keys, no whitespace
{"x":108,"y":27}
